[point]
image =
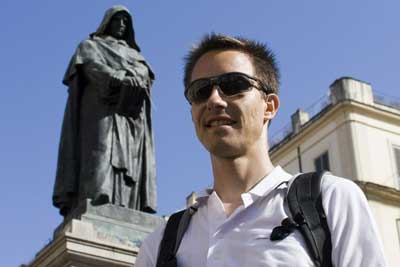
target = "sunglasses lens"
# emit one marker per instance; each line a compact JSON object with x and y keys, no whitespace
{"x":234,"y":85}
{"x":199,"y":91}
{"x":202,"y":93}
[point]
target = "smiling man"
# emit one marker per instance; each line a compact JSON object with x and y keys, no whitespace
{"x":232,"y":85}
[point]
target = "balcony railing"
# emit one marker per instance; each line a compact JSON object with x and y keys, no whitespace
{"x":317,"y":106}
{"x":386,"y":100}
{"x":280,"y":134}
{"x":312,"y":110}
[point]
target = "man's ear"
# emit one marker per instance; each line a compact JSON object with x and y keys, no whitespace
{"x":271,"y":107}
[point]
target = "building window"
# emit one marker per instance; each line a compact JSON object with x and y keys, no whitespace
{"x":322,"y":162}
{"x":397,"y":163}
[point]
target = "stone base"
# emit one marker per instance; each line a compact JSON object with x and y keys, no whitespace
{"x":92,"y":236}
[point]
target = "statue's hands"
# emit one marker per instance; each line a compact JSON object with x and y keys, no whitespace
{"x":130,"y":82}
{"x":134,"y":83}
{"x":117,"y":79}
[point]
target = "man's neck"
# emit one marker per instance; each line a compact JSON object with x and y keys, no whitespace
{"x":235,"y":176}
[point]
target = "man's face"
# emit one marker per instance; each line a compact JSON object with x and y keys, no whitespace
{"x":118,"y":25}
{"x":228,"y":126}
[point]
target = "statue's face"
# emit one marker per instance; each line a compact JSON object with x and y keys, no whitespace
{"x":118,"y":25}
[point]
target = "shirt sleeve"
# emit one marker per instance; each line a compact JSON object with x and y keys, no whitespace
{"x":355,"y":238}
{"x":148,"y":252}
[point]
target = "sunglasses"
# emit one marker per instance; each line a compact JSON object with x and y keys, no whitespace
{"x":229,"y":84}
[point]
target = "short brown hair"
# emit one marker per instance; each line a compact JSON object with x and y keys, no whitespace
{"x":263,"y":59}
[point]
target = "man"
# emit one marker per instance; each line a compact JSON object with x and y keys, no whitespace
{"x":232,"y":86}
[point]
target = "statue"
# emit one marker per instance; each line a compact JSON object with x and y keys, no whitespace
{"x":106,"y":150}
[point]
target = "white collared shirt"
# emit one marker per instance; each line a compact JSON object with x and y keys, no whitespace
{"x":243,"y":239}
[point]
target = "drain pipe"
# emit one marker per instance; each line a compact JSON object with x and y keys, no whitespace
{"x":299,"y":159}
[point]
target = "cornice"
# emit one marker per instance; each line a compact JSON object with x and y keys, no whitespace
{"x":380,"y":193}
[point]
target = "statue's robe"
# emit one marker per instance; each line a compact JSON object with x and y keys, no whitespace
{"x":106,"y":149}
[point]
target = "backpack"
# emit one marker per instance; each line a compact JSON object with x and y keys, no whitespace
{"x":305,"y":204}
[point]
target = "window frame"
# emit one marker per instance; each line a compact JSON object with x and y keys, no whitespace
{"x":321,"y":161}
{"x":396,"y":160}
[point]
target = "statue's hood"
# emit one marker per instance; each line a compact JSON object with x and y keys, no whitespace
{"x":130,"y":36}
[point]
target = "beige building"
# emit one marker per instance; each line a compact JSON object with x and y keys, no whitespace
{"x":355,"y":134}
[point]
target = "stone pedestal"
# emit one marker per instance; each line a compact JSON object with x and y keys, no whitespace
{"x":97,"y":236}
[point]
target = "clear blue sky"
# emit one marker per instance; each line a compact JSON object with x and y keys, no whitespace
{"x":315,"y":42}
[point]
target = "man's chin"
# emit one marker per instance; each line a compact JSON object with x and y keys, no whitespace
{"x":224,"y":150}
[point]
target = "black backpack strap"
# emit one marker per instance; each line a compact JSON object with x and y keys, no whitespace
{"x":305,"y":204}
{"x":174,"y":230}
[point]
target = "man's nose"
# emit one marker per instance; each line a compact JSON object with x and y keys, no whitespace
{"x":215,"y":99}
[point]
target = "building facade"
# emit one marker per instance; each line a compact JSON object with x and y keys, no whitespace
{"x":356,"y":135}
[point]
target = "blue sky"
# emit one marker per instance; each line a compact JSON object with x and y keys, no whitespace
{"x":315,"y":43}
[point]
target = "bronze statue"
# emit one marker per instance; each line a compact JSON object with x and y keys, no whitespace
{"x":106,"y":149}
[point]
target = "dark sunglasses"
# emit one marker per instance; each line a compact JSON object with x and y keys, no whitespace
{"x":229,"y":84}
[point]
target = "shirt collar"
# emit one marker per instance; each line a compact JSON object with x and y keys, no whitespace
{"x":275,"y":179}
{"x":270,"y":182}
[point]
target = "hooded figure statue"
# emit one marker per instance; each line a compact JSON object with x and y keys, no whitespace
{"x":106,"y":150}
